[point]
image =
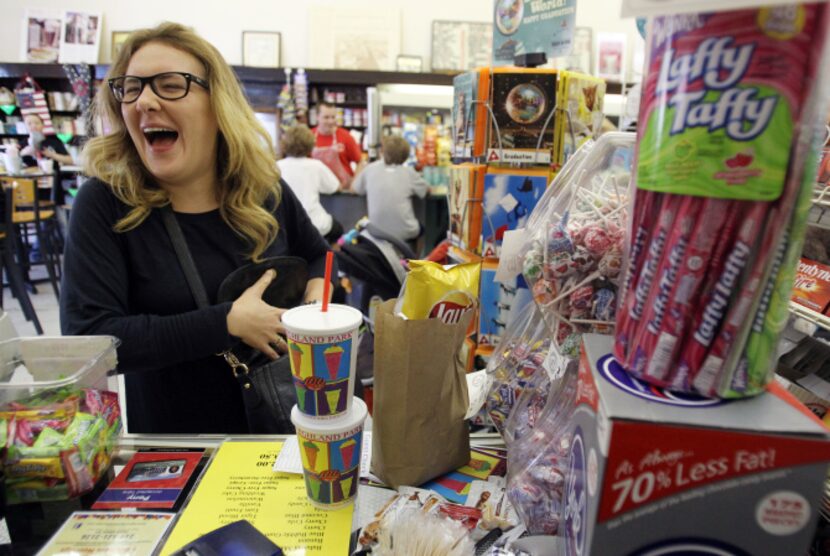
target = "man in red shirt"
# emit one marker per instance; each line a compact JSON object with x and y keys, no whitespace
{"x":335,"y":146}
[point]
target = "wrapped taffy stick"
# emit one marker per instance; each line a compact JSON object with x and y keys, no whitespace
{"x":646,"y":210}
{"x":630,"y":316}
{"x":702,"y":355}
{"x":688,"y":287}
{"x":666,"y":278}
{"x":721,"y":104}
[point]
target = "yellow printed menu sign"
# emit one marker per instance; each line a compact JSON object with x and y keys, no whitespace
{"x":239,"y":484}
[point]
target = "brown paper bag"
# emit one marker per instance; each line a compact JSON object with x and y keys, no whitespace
{"x":420,"y":398}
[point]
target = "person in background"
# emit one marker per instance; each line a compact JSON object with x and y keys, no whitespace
{"x":308,"y":178}
{"x":335,"y":147}
{"x":389,"y":187}
{"x":182,"y":136}
{"x":40,"y":146}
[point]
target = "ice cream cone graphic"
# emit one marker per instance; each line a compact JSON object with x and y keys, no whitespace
{"x":311,"y":450}
{"x":333,"y":354}
{"x":313,"y":487}
{"x":333,"y":397}
{"x":346,"y":486}
{"x":347,"y":452}
{"x":296,"y":358}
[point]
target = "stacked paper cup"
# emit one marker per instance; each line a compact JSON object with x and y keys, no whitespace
{"x":329,"y":419}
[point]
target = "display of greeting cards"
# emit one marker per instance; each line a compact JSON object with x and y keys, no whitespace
{"x":465,"y":196}
{"x":469,"y":113}
{"x":583,"y":98}
{"x":509,"y":198}
{"x":150,"y":480}
{"x":523,"y":102}
{"x":500,"y":303}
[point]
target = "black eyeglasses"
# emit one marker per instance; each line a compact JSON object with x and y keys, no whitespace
{"x":170,"y":85}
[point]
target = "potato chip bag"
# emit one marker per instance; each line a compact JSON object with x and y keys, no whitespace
{"x":432,"y":291}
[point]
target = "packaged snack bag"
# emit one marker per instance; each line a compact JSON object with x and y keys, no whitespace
{"x":432,"y":291}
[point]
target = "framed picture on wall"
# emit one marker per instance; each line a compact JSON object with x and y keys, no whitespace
{"x":118,"y":38}
{"x":409,"y":63}
{"x":261,"y":49}
{"x":461,"y":45}
{"x":611,"y":56}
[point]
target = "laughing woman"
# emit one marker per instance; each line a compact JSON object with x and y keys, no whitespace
{"x":182,"y":134}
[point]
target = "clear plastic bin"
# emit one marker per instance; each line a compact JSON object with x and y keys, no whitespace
{"x":29,"y":365}
{"x":61,"y":432}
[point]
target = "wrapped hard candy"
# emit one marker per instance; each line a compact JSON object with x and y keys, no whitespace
{"x":550,"y":475}
{"x":603,"y":304}
{"x":544,"y":291}
{"x":580,"y":298}
{"x":610,"y":265}
{"x":532,"y":265}
{"x":582,"y":260}
{"x":563,"y":331}
{"x":558,"y":266}
{"x":597,"y":240}
{"x":559,"y":240}
{"x":570,"y":346}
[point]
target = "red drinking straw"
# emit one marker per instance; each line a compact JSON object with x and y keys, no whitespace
{"x":327,"y":285}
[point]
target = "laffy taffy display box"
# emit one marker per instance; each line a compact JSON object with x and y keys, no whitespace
{"x":653,"y":472}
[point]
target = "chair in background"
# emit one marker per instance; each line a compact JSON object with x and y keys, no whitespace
{"x":29,"y":217}
{"x":11,"y":265}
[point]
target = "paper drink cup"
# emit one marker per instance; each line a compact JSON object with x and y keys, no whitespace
{"x":323,"y":351}
{"x":330,"y":450}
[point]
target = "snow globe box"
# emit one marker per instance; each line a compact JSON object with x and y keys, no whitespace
{"x":652,"y":472}
{"x":523,"y":102}
{"x":59,"y":415}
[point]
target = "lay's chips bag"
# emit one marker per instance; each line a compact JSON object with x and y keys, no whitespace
{"x":432,"y":291}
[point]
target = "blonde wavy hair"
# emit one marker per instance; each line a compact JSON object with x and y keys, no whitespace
{"x":246,"y":163}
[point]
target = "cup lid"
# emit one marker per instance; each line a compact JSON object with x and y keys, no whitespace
{"x":331,"y":425}
{"x":311,"y":320}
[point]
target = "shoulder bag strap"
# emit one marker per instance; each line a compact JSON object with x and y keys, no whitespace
{"x":197,"y":288}
{"x":194,"y":281}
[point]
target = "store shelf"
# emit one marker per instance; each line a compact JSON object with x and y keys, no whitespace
{"x":38,"y":71}
{"x":813,"y":317}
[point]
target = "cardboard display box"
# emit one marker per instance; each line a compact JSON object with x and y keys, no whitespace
{"x":471,"y":92}
{"x":523,"y":101}
{"x":465,"y":196}
{"x":510,"y":195}
{"x":657,"y":473}
{"x":583,"y":97}
{"x":500,"y":304}
{"x":812,"y":285}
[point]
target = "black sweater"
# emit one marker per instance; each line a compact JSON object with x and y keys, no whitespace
{"x":130,"y":285}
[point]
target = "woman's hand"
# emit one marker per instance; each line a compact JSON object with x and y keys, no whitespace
{"x":255,"y":322}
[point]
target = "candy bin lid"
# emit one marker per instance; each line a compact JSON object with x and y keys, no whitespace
{"x":29,"y":365}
